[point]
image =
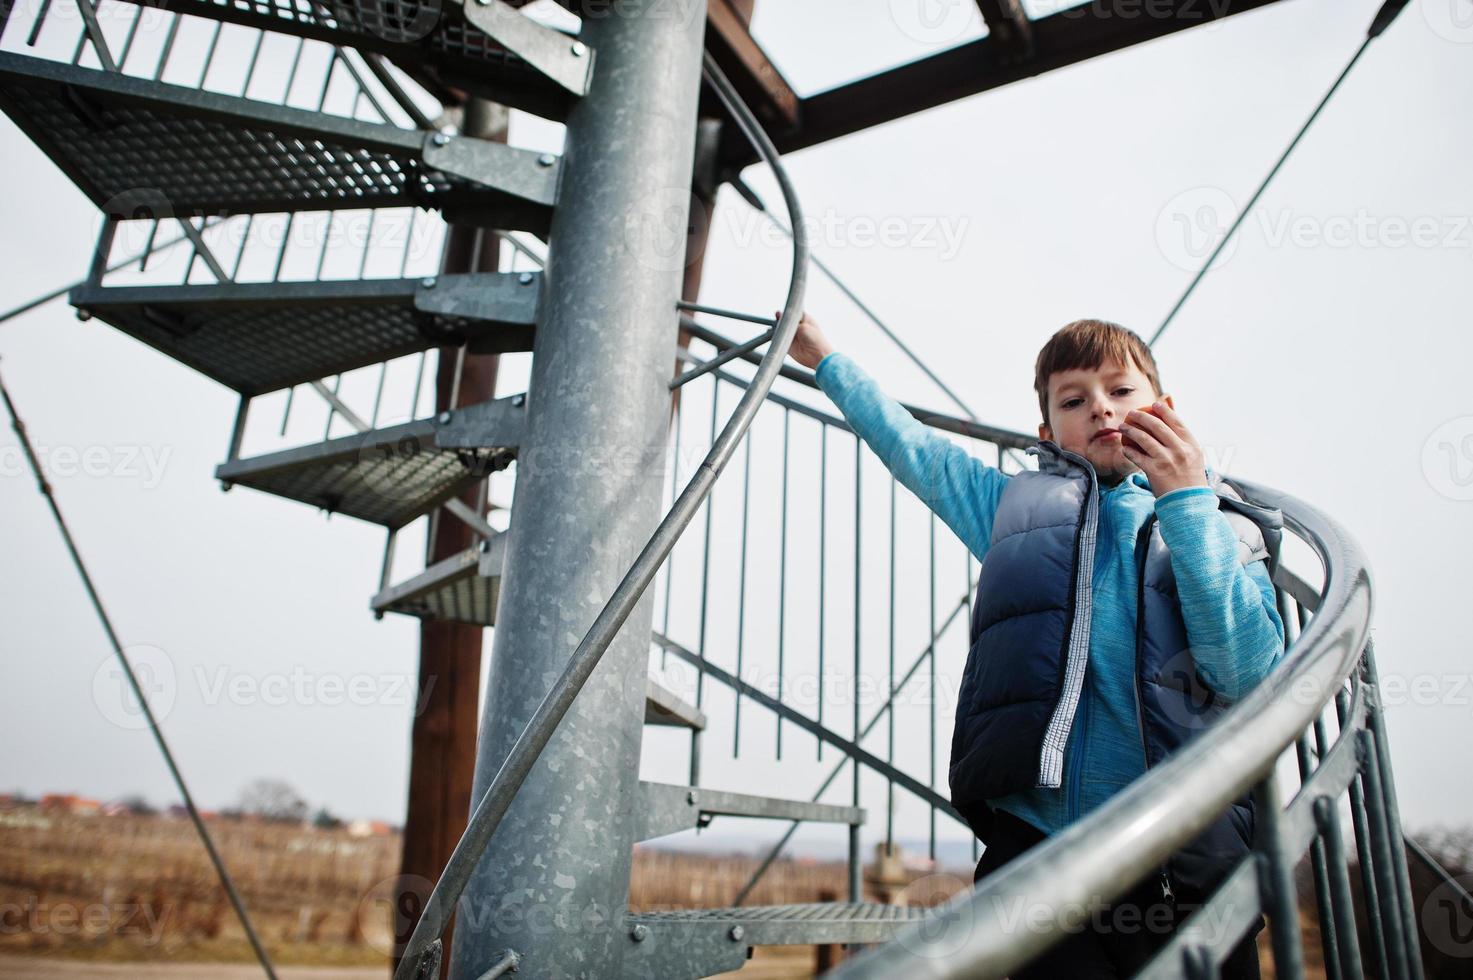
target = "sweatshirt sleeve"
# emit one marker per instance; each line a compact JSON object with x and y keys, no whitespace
{"x":961,"y":489}
{"x":1229,"y":608}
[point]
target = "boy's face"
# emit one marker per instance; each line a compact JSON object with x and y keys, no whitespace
{"x":1086,"y":407}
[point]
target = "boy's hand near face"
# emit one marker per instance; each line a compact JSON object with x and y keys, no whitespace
{"x":809,"y":344}
{"x":1156,"y":440}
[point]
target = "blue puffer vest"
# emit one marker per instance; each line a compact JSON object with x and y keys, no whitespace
{"x":1030,"y":643}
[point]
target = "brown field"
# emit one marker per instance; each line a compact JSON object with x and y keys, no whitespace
{"x":81,"y":894}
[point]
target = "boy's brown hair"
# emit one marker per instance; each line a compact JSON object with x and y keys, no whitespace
{"x":1087,"y":344}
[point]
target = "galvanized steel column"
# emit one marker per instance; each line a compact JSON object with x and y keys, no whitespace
{"x":554,"y":883}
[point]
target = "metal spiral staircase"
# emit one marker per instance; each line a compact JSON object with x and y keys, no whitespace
{"x":142,"y":126}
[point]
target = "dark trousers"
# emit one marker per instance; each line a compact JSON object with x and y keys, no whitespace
{"x":1116,"y":941}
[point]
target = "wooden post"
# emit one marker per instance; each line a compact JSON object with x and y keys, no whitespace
{"x":443,"y":742}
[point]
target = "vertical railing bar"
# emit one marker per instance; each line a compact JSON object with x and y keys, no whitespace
{"x":332,"y":64}
{"x":1276,"y":882}
{"x":41,"y":15}
{"x":388,"y":566}
{"x":670,"y":562}
{"x":1343,"y":905}
{"x":408,"y":243}
{"x":332,"y":217}
{"x":367,"y":242}
{"x":736,"y":730}
{"x":823,"y":556}
{"x":695,"y":754}
{"x":291,"y":394}
{"x":128,"y":39}
{"x":782,"y":576}
{"x":1324,"y":917}
{"x":378,"y":395}
{"x":967,"y":558}
{"x":291,"y":73}
{"x":931,"y":680}
{"x":890,"y":683}
{"x":457,"y":376}
{"x":168,"y":47}
{"x":245,"y":239}
{"x":1376,"y":721}
{"x":419,"y":380}
{"x":251,"y":65}
{"x":153,"y":231}
{"x":286,"y":239}
{"x":858,"y":605}
{"x":1384,"y":861}
{"x":337,"y":383}
{"x":1369,"y":890}
{"x":204,"y":72}
{"x":237,"y":431}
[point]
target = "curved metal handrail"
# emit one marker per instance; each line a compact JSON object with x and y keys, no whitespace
{"x":1102,"y":856}
{"x":540,"y":728}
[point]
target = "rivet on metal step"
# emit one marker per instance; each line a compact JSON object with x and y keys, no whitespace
{"x":428,"y":282}
{"x":84,"y":315}
{"x":484,"y":546}
{"x":639,"y":933}
{"x":444,"y":418}
{"x":736,"y":933}
{"x":440,"y":139}
{"x":519,"y":400}
{"x":579,"y":49}
{"x":525,"y":278}
{"x":691,"y":797}
{"x":546,"y":160}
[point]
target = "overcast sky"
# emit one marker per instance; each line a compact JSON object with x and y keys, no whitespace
{"x":1326,"y":355}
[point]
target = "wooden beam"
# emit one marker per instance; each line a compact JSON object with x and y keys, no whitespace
{"x":756,"y":78}
{"x":1061,"y":39}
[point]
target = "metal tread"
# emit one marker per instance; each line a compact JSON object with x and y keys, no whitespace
{"x":463,"y":588}
{"x":426,"y":38}
{"x":776,"y":925}
{"x":260,"y":337}
{"x":392,"y":475}
{"x":666,"y":808}
{"x":132,"y":144}
{"x":663,"y":707}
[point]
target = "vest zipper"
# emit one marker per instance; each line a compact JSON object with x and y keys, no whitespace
{"x":1142,"y":541}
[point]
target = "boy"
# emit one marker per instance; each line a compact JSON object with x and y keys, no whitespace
{"x":1124,"y":600}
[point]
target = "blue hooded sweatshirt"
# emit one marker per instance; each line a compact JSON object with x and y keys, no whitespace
{"x":1229,"y":609}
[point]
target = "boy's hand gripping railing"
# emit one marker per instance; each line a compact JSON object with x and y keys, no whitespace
{"x":1100,"y":857}
{"x":423,"y":948}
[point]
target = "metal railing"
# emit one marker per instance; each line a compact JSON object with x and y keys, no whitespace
{"x":1328,"y":669}
{"x":423,"y":952}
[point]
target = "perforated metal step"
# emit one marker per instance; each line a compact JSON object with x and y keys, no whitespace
{"x":463,"y":588}
{"x":665,"y":808}
{"x":664,"y":707}
{"x":700,"y":942}
{"x":392,"y":475}
{"x":781,"y":925}
{"x":130,"y":143}
{"x":259,"y":337}
{"x":429,"y":39}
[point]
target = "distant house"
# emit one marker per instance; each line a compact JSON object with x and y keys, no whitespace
{"x":369,"y":828}
{"x":71,"y":803}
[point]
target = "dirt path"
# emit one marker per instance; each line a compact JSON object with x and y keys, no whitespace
{"x":36,"y":968}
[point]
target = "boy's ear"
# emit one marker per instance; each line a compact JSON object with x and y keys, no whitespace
{"x":1044,"y":432}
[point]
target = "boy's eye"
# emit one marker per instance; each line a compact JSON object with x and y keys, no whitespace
{"x":1070,"y":403}
{"x":1124,"y":391}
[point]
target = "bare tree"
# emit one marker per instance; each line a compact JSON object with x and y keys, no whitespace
{"x":273,"y":799}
